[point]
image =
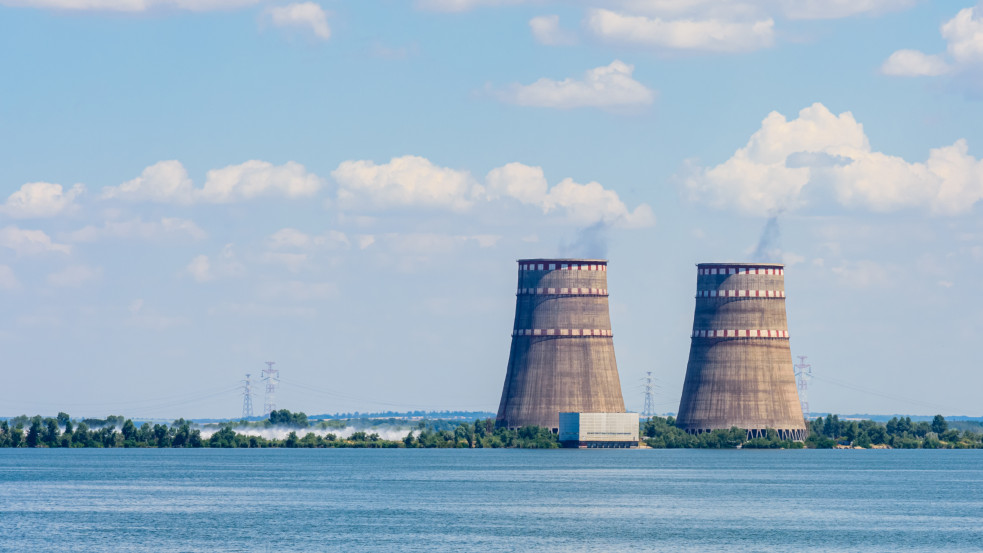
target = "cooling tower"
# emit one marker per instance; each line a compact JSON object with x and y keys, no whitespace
{"x":740,"y":365}
{"x":562,"y":356}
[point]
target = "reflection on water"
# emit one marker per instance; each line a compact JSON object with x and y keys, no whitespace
{"x":491,"y":500}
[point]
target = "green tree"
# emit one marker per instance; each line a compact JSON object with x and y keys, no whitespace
{"x":50,"y":434}
{"x":939,"y":426}
{"x":226,"y":437}
{"x":81,"y":437}
{"x":63,"y":418}
{"x":129,"y":433}
{"x":34,"y":434}
{"x":16,"y":436}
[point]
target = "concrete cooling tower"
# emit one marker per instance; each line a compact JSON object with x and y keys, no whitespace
{"x":740,"y":366}
{"x":562,"y":356}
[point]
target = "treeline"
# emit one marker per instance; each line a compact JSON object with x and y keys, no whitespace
{"x":824,"y":433}
{"x":662,"y":433}
{"x":898,"y":433}
{"x":116,"y":431}
{"x":113,"y":431}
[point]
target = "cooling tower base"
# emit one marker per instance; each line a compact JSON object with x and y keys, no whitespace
{"x":791,"y":434}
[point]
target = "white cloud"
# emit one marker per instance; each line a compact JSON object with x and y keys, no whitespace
{"x":463,"y":5}
{"x":964,"y":50}
{"x":546,"y":29}
{"x":8,"y":281}
{"x":912,"y":63}
{"x":130,"y":5}
{"x":41,"y":199}
{"x":294,"y":249}
{"x":861,"y":274}
{"x":74,"y":276}
{"x":29,"y":242}
{"x":303,"y":15}
{"x":835,"y":9}
{"x":412,"y":181}
{"x":164,"y":181}
{"x":204,"y":268}
{"x":606,"y":87}
{"x":408,"y":181}
{"x":964,"y":36}
{"x":200,"y":268}
{"x":168,"y":182}
{"x":715,"y":35}
{"x":137,"y":228}
{"x":290,"y":238}
{"x":582,"y":204}
{"x":831,"y":155}
{"x":258,"y":178}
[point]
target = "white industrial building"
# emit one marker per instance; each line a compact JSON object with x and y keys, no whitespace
{"x":589,"y":430}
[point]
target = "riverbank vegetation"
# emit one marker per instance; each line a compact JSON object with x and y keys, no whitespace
{"x":293,"y":430}
{"x":824,"y":433}
{"x":117,"y":431}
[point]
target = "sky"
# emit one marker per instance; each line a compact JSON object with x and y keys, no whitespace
{"x":191,"y":188}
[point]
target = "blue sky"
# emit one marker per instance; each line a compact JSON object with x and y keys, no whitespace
{"x":191,"y":188}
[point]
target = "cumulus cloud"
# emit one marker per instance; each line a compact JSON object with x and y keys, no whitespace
{"x":582,"y":204}
{"x":306,"y":16}
{"x":912,"y":63}
{"x":130,"y":5}
{"x":412,"y":181}
{"x":164,"y":181}
{"x":168,"y":182}
{"x":605,"y":87}
{"x":713,"y":35}
{"x":408,"y":181}
{"x":831,"y":155}
{"x":546,"y":29}
{"x":257,"y":178}
{"x":29,"y":242}
{"x":138,"y":228}
{"x":74,"y":276}
{"x":41,"y":199}
{"x":964,"y":50}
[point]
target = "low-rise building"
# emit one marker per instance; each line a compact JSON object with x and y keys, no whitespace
{"x":590,"y":430}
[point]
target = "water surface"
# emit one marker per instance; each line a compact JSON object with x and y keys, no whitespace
{"x":162,"y":500}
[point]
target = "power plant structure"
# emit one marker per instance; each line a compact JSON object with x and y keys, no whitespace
{"x":740,"y":365}
{"x":562,"y":354}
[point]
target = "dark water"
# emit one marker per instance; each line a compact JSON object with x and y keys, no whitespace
{"x":490,"y":500}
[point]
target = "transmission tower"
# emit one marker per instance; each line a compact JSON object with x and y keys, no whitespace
{"x":803,"y":372}
{"x":247,"y":398}
{"x":649,"y":409}
{"x":272,"y":378}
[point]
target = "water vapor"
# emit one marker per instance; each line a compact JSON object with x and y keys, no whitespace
{"x":392,"y":433}
{"x":589,"y":242}
{"x":769,"y":248}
